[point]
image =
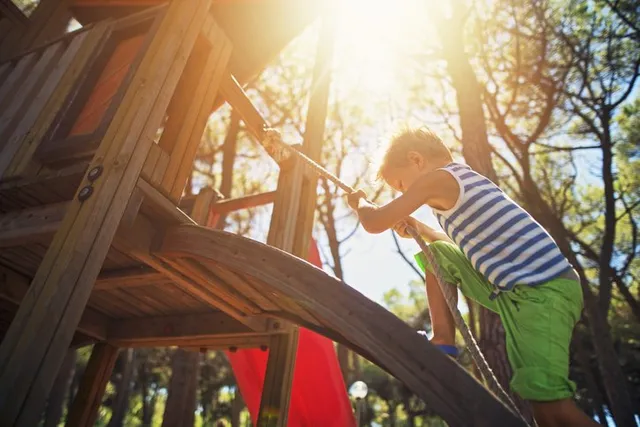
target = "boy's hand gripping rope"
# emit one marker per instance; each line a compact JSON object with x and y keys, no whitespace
{"x":280,"y":151}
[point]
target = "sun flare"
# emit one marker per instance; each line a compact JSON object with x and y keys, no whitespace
{"x":374,"y":38}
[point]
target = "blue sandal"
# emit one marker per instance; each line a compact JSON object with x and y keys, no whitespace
{"x":449,"y":350}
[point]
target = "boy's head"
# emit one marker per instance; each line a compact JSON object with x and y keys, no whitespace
{"x":410,"y":154}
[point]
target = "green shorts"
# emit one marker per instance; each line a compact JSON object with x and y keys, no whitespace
{"x":538,"y":321}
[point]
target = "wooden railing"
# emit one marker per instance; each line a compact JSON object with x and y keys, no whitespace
{"x":57,"y":101}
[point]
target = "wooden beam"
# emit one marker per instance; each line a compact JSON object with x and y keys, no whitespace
{"x":128,"y":278}
{"x":9,"y":10}
{"x":48,"y":21}
{"x":202,"y":204}
{"x":363,"y":324}
{"x":62,"y":181}
{"x":158,"y":205}
{"x":138,"y":241}
{"x":181,"y":330}
{"x":30,"y":130}
{"x":211,"y":76}
{"x":18,"y":228}
{"x":84,"y":410}
{"x":245,"y":202}
{"x":37,"y":340}
{"x":274,"y":403}
{"x":238,"y":99}
{"x":314,"y":132}
{"x":14,"y":287}
{"x":292,"y":231}
{"x":227,"y":343}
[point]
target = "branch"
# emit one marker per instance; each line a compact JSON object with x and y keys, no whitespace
{"x":404,"y":257}
{"x":631,"y":85}
{"x":623,"y":17}
{"x":634,"y":234}
{"x":350,"y":234}
{"x":507,"y":164}
{"x":554,"y":149}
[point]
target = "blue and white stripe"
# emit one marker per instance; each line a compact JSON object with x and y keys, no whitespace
{"x":502,"y":241}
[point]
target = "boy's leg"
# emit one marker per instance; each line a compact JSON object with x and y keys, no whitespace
{"x":539,"y":322}
{"x":457,"y":270}
{"x":442,"y":323}
{"x":561,"y":413}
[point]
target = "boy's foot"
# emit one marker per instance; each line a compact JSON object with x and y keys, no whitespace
{"x":450,"y":350}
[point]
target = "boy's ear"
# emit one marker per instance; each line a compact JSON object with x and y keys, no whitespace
{"x":416,"y":158}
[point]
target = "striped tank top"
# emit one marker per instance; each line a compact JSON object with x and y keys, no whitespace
{"x":502,"y":241}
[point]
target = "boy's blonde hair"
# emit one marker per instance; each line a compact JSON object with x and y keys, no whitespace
{"x":421,"y":140}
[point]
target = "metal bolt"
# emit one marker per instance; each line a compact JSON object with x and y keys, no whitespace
{"x":85,"y":193}
{"x":276,"y":325}
{"x":263,"y":347}
{"x":233,"y":349}
{"x":95,"y":173}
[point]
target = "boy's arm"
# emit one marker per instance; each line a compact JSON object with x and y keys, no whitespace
{"x":437,"y":189}
{"x":430,"y":234}
{"x":427,"y":233}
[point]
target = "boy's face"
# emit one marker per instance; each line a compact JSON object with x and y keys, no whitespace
{"x":400,"y":178}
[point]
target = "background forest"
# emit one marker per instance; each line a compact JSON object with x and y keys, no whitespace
{"x":539,"y":95}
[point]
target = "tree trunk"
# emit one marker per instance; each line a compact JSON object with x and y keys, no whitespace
{"x":477,"y":153}
{"x":236,"y":409}
{"x":148,"y":404}
{"x":181,"y":400}
{"x":609,"y":236}
{"x":120,"y":404}
{"x":73,"y":387}
{"x":343,"y":360}
{"x":614,"y":381}
{"x":53,"y":412}
{"x":592,"y":386}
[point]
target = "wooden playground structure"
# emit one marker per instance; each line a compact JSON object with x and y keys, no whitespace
{"x":100,"y":129}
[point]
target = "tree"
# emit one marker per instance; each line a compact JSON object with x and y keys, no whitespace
{"x":60,"y":389}
{"x":124,"y":375}
{"x":477,"y":153}
{"x":539,"y":82}
{"x":181,"y":400}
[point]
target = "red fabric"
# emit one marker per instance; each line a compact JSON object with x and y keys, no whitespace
{"x":318,"y":397}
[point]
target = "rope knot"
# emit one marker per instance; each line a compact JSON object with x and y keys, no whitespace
{"x":272,"y":142}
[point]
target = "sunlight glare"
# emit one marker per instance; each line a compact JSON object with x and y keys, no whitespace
{"x":373,"y":41}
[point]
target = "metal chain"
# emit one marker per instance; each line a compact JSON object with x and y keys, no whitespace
{"x":279,"y":149}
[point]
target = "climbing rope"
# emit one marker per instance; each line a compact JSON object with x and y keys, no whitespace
{"x":280,"y":151}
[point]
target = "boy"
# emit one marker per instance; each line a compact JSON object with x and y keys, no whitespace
{"x":502,"y":258}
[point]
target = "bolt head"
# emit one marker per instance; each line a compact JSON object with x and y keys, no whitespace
{"x":85,"y":193}
{"x":95,"y":173}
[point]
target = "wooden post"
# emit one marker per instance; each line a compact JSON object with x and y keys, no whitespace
{"x":84,"y":410}
{"x":38,"y":338}
{"x":290,"y":230}
{"x":48,"y":21}
{"x":314,"y":131}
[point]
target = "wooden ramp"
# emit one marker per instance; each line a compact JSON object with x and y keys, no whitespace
{"x":297,"y":291}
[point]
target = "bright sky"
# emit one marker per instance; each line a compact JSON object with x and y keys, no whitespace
{"x":373,"y":41}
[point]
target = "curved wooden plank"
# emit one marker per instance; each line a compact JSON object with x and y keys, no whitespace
{"x":367,"y":326}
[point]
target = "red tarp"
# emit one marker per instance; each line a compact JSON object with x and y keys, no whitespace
{"x":318,"y":397}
